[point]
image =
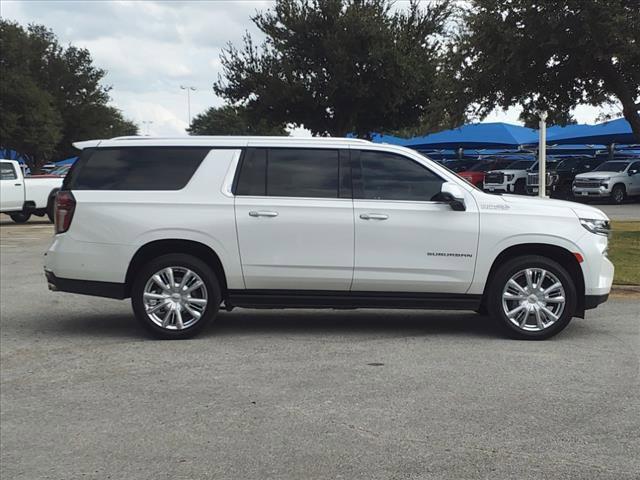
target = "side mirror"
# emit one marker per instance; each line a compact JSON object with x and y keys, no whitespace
{"x":453,"y":195}
{"x":632,"y":172}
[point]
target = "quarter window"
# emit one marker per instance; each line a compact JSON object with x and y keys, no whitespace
{"x":386,"y":176}
{"x":137,"y":168}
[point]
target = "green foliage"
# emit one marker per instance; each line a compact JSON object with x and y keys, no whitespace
{"x":230,"y":120}
{"x":550,"y":55}
{"x":51,"y":96}
{"x":531,"y":118}
{"x":340,"y":66}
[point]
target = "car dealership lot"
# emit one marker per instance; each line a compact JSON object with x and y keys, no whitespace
{"x":306,"y":394}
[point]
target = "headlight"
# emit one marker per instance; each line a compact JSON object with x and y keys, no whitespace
{"x":604,"y":180}
{"x":509,"y":177}
{"x":599,"y":227}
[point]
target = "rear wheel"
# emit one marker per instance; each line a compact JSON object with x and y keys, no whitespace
{"x":532,"y":298}
{"x":618,"y":194}
{"x":20,"y":217}
{"x":174,"y":296}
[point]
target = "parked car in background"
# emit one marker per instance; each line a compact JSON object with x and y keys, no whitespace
{"x":21,"y":197}
{"x":476,"y":173}
{"x":185,"y":227}
{"x":61,"y":171}
{"x":459,"y":165}
{"x":560,"y":175}
{"x":616,"y":180}
{"x":532,"y":174}
{"x":511,"y":179}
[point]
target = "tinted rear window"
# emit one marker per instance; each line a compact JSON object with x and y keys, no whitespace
{"x":137,"y":168}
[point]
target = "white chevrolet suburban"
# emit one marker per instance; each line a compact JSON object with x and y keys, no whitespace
{"x":188,"y":226}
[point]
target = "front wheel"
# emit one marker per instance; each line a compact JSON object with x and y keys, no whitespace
{"x":20,"y":217}
{"x":532,"y":298}
{"x":618,"y":194}
{"x":174,"y":296}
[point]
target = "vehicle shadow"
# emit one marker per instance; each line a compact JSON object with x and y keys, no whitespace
{"x":10,"y":223}
{"x":353,"y":323}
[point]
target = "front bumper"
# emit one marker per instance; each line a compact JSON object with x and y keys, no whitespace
{"x":590,"y":192}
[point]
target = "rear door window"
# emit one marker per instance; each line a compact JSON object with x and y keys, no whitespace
{"x":295,"y":172}
{"x":137,"y":168}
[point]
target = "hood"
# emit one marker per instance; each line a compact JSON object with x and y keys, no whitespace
{"x":580,"y":210}
{"x":597,"y":175}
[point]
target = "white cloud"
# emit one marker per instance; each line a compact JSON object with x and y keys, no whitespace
{"x":149,"y":49}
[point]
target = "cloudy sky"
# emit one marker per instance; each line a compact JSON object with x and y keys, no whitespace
{"x":151,"y":48}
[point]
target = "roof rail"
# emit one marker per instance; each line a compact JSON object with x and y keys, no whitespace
{"x":244,"y":138}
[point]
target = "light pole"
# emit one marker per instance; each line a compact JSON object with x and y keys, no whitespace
{"x":147,"y":125}
{"x":542,"y":156}
{"x":189,"y":89}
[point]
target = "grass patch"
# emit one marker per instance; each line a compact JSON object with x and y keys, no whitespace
{"x":624,"y":252}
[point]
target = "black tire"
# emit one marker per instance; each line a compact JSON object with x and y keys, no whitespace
{"x":513,"y":267}
{"x":520,"y":188}
{"x":618,"y":194}
{"x":50,"y":206}
{"x":20,"y":217}
{"x":181,"y":261}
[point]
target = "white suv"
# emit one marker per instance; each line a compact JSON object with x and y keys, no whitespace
{"x":615,"y":179}
{"x":188,"y":226}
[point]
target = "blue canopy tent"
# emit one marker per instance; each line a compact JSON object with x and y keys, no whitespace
{"x":66,"y":161}
{"x":606,"y":133}
{"x":476,"y":136}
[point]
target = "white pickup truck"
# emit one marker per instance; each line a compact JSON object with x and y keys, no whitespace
{"x":22,"y":197}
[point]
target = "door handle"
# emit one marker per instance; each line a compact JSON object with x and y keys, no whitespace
{"x":374,"y":216}
{"x":262,"y":213}
{"x":17,"y":184}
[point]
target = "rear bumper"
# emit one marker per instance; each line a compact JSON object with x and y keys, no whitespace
{"x":85,"y":287}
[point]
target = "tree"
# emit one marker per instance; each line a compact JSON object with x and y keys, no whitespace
{"x":230,"y":120}
{"x":51,"y":96}
{"x":551,"y":55}
{"x":531,"y":117}
{"x":339,"y":66}
{"x":30,"y":122}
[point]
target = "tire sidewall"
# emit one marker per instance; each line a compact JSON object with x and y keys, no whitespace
{"x":176,"y":260}
{"x":621,"y":188}
{"x":20,"y":217}
{"x":507,"y":271}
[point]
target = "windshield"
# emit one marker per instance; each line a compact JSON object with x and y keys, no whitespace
{"x":569,"y":163}
{"x":550,"y":164}
{"x":519,"y":165}
{"x":611,"y":167}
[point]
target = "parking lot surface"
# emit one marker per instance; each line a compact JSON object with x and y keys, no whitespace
{"x":306,"y":394}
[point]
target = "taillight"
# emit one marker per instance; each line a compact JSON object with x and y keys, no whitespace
{"x":63,"y":212}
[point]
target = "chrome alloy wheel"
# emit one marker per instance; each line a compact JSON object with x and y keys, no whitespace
{"x":533,"y":299}
{"x":175,"y":298}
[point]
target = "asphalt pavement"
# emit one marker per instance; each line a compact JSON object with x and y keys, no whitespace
{"x":306,"y":394}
